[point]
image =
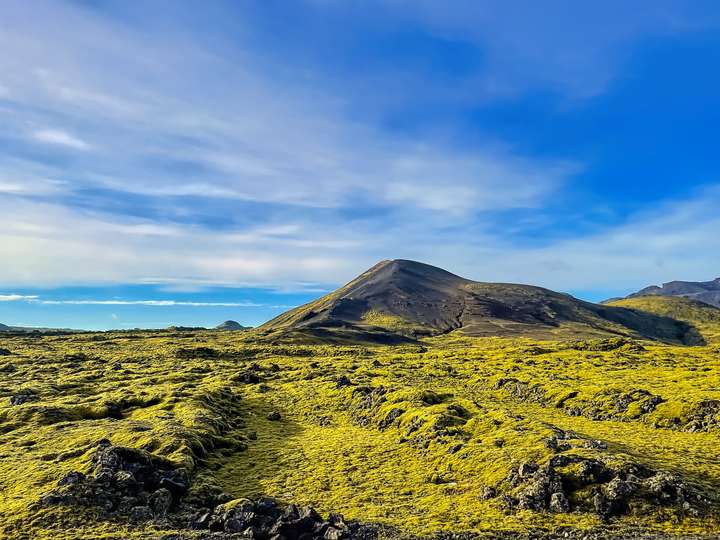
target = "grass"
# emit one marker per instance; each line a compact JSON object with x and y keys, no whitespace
{"x":412,"y":441}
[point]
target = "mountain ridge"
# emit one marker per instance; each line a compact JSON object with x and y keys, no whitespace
{"x":413,"y":299}
{"x":703,"y":291}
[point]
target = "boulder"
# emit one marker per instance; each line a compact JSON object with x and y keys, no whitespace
{"x":140,"y":514}
{"x":160,"y":502}
{"x":559,"y":503}
{"x":23,"y":396}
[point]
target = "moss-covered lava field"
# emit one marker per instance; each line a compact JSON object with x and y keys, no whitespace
{"x":485,"y":437}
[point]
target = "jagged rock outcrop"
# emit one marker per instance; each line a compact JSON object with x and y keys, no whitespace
{"x":594,"y":486}
{"x":124,"y":481}
{"x":130,"y":484}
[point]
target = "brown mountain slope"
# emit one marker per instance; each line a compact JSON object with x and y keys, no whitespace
{"x":703,"y":291}
{"x":400,"y":297}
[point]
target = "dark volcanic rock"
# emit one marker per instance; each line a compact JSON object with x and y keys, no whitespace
{"x":614,"y":492}
{"x":139,"y":487}
{"x":23,"y":396}
{"x":122,"y":481}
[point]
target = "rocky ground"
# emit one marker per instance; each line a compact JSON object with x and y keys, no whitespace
{"x":201,"y":435}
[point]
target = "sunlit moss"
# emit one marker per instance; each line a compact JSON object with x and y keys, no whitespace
{"x":409,"y":436}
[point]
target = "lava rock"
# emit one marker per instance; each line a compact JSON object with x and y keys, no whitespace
{"x":527,"y":469}
{"x":140,"y":514}
{"x":161,"y":501}
{"x":201,"y":522}
{"x":665,"y":487}
{"x":488,"y":493}
{"x":23,"y":396}
{"x":393,"y":415}
{"x":72,"y":478}
{"x":617,"y":489}
{"x":559,"y":503}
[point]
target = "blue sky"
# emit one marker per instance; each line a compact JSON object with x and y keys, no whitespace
{"x":171,"y":163}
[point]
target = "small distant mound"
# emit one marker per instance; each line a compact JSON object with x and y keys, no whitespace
{"x":186,"y":328}
{"x":702,"y":291}
{"x":414,"y":300}
{"x":231,"y":325}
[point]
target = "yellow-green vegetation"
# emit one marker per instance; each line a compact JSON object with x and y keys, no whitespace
{"x":421,"y":437}
{"x":391,"y":322}
{"x":704,"y":317}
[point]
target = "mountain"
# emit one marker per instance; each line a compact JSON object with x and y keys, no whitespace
{"x":230,"y":325}
{"x":4,"y":328}
{"x":703,"y":316}
{"x":411,"y":299}
{"x":703,"y":291}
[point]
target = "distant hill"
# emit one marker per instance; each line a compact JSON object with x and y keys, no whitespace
{"x":231,"y":325}
{"x":704,"y":317}
{"x":703,"y":291}
{"x":411,"y":299}
{"x":32,"y":329}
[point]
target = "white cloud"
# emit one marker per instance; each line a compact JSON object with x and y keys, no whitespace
{"x":60,"y":138}
{"x":15,"y":297}
{"x":154,"y":132}
{"x":154,"y":303}
{"x":49,"y":245}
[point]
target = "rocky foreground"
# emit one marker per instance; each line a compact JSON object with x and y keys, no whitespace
{"x":131,"y":485}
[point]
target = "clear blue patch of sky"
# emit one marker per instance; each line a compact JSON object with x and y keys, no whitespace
{"x":270,"y":303}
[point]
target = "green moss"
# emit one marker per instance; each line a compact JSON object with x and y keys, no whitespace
{"x":412,"y":441}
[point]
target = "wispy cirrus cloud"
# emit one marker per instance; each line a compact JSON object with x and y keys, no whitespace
{"x":60,"y":138}
{"x":36,"y":299}
{"x":261,"y":141}
{"x":153,"y":303}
